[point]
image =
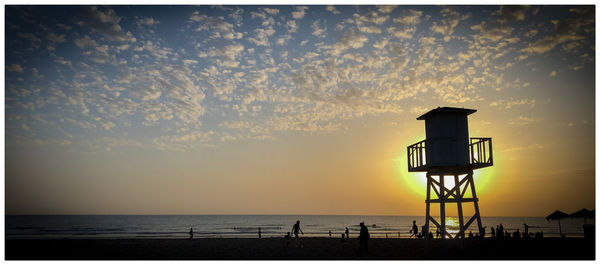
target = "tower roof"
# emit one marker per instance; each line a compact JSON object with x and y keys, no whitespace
{"x":446,"y":110}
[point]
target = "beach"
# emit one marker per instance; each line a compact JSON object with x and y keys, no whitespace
{"x":304,"y":249}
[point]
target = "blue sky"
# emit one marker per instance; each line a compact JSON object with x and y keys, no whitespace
{"x":126,"y":79}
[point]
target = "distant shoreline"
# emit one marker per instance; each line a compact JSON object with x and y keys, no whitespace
{"x":312,"y":249}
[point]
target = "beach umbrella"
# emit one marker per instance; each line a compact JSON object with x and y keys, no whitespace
{"x":585,"y":213}
{"x":557,"y":215}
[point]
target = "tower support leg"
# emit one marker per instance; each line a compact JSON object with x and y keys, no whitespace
{"x":427,"y":203}
{"x":459,"y":208}
{"x":475,"y":202}
{"x":442,"y":207}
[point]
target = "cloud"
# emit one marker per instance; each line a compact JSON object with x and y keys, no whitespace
{"x":386,"y":8}
{"x":105,"y":23}
{"x":446,"y":26}
{"x":56,"y":38}
{"x":35,"y":41}
{"x":147,"y":21}
{"x":352,"y":39}
{"x":108,"y":125}
{"x":332,"y":9}
{"x":261,"y":38}
{"x":409,"y":17}
{"x":507,"y":104}
{"x":84,"y":42}
{"x":370,"y":17}
{"x":271,"y":11}
{"x":216,"y":24}
{"x":521,"y":121}
{"x":494,"y":32}
{"x":291,"y":26}
{"x":370,"y":29}
{"x":318,"y":31}
{"x":565,"y":31}
{"x":300,"y":12}
{"x":15,"y":68}
{"x":402,"y":33}
{"x":513,"y":12}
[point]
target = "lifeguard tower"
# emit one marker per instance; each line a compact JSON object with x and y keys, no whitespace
{"x":448,"y":152}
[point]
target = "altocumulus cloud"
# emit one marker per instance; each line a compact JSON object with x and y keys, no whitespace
{"x":195,"y":77}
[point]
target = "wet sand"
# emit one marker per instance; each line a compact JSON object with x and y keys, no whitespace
{"x":311,"y":249}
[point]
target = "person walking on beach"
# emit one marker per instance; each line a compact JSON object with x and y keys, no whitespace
{"x":414,"y":230}
{"x":259,"y":233}
{"x":296,"y":228}
{"x":191,"y":233}
{"x":347,"y":232}
{"x":363,"y":237}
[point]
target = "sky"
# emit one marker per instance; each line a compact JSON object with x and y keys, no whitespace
{"x":291,"y":109}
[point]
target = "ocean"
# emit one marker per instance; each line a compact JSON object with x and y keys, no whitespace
{"x":246,"y":226}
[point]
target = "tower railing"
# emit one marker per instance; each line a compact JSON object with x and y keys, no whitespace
{"x":480,"y":154}
{"x":416,"y":156}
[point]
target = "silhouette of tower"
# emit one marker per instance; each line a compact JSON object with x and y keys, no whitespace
{"x":448,"y":152}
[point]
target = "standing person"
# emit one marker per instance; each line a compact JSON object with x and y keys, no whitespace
{"x":329,"y":233}
{"x":296,"y":228}
{"x":493,"y":232}
{"x":414,"y":230}
{"x":259,"y":233}
{"x":363,"y":237}
{"x":526,"y":230}
{"x":191,"y":233}
{"x":437,"y":233}
{"x":483,"y":232}
{"x":347,"y":232}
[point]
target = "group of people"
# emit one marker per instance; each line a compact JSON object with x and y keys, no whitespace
{"x":363,"y":236}
{"x":499,"y":233}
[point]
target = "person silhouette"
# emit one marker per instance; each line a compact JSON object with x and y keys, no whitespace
{"x":347,"y":232}
{"x":329,"y":233}
{"x":191,"y":233}
{"x":296,"y":228}
{"x":516,"y":234}
{"x":526,"y":230}
{"x":415,"y":229}
{"x":493,"y":232}
{"x":259,"y":233}
{"x":363,"y":238}
{"x":437,"y":233}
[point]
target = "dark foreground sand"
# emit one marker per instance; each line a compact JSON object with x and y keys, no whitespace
{"x":312,"y":249}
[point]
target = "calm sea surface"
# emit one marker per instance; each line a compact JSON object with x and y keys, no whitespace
{"x":246,"y":226}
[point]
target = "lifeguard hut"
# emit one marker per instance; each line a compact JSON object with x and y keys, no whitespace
{"x":448,"y":152}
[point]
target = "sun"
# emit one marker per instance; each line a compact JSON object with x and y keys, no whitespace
{"x":416,"y":182}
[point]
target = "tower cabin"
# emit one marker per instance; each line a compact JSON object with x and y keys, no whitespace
{"x":447,"y":145}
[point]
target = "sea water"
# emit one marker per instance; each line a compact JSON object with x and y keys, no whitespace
{"x":247,"y":226}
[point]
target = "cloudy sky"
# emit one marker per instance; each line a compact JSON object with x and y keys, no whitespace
{"x":291,"y":109}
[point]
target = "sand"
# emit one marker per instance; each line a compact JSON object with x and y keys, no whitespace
{"x":311,"y":249}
